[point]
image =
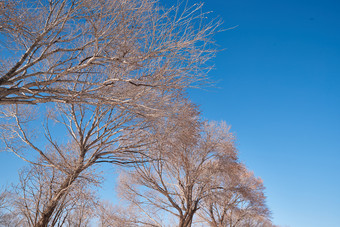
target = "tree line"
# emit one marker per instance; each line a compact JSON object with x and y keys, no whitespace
{"x":87,"y":83}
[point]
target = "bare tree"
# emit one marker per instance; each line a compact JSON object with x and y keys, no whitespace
{"x":239,"y":201}
{"x":92,"y":134}
{"x":182,"y":175}
{"x":72,"y":51}
{"x":37,"y":187}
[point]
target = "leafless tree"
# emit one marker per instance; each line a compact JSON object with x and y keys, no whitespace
{"x":239,"y":201}
{"x":182,"y":175}
{"x":92,"y":134}
{"x":37,"y":187}
{"x":72,"y":51}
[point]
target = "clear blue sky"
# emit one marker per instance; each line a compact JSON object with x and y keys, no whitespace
{"x":280,"y":91}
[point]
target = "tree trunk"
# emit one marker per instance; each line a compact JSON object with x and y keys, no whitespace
{"x":187,"y":221}
{"x":53,"y":203}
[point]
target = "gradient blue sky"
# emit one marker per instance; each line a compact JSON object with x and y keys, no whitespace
{"x":279,"y":89}
{"x":280,"y":92}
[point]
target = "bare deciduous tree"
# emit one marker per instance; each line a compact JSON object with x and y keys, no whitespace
{"x":37,"y":187}
{"x":92,"y":134}
{"x":182,"y":175}
{"x":73,"y":51}
{"x":239,"y":201}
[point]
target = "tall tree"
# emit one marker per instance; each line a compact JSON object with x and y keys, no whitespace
{"x":182,"y":174}
{"x":92,"y":134}
{"x":238,"y":201}
{"x":38,"y":186}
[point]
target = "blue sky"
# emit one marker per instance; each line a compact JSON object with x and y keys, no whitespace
{"x":279,"y":89}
